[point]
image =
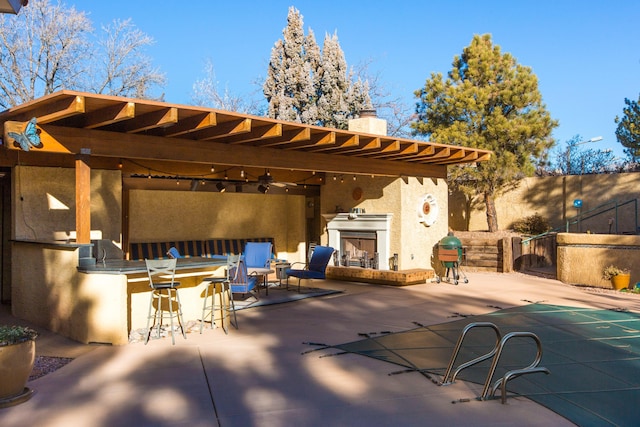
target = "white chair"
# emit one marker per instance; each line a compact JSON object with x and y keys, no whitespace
{"x":164,"y":292}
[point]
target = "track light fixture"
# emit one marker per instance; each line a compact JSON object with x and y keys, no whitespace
{"x":263,"y":189}
{"x":221,"y":188}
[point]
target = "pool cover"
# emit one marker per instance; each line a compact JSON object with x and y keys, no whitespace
{"x":593,"y":357}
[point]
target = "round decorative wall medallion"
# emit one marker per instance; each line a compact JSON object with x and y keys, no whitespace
{"x":427,"y":210}
{"x":357,"y":193}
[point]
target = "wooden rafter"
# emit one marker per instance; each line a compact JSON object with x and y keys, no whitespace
{"x":171,"y":123}
{"x":192,"y":124}
{"x":110,"y":115}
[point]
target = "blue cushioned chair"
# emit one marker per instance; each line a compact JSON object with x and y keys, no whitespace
{"x":316,"y":268}
{"x":258,"y":255}
{"x":173,"y":252}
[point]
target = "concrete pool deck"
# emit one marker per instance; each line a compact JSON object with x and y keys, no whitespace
{"x":262,"y":375}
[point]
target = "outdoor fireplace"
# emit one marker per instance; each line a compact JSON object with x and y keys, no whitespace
{"x":362,"y":240}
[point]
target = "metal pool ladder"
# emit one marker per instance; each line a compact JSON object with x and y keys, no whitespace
{"x":489,"y":391}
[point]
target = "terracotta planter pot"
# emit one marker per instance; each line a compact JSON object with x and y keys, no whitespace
{"x":16,"y":363}
{"x":621,"y":281}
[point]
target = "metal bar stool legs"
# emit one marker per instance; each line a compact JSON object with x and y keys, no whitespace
{"x":161,"y":279}
{"x":159,"y":296}
{"x":222,"y":287}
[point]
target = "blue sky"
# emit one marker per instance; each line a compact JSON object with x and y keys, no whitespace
{"x":586,"y":54}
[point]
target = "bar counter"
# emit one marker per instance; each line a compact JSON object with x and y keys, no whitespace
{"x":115,"y":266}
{"x":94,"y":301}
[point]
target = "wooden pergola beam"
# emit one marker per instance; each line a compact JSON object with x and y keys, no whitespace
{"x":109,"y":144}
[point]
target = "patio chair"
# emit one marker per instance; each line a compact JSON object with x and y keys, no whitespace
{"x":315,"y":269}
{"x":173,"y":252}
{"x":257,"y":254}
{"x":257,"y":258}
{"x":164,"y":292}
{"x":221,"y":285}
{"x":242,"y":282}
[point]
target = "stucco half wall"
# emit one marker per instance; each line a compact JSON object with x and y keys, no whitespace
{"x":582,"y":257}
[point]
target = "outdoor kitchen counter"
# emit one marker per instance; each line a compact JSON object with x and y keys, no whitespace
{"x":126,"y":292}
{"x":95,"y":302}
{"x":136,"y":267}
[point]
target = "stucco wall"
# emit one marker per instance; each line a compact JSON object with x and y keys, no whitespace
{"x":412,"y":240}
{"x":185,"y":215}
{"x":552,"y":198}
{"x":44,"y":206}
{"x":51,"y":293}
{"x":582,"y":257}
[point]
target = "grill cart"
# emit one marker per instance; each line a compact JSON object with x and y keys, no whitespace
{"x":450,"y":255}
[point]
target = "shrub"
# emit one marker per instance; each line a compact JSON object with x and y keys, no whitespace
{"x":531,"y":225}
{"x":612,"y":270}
{"x":16,"y":334}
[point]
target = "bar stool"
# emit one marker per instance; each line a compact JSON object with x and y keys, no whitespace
{"x":221,"y":286}
{"x":162,"y":292}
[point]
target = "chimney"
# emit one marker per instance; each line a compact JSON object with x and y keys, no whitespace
{"x":368,"y":122}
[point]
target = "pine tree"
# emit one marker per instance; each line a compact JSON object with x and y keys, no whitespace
{"x":332,"y":85}
{"x":288,"y":86}
{"x":491,"y":102}
{"x":628,"y":130}
{"x":308,"y":86}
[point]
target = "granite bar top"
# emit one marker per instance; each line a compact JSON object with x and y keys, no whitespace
{"x":132,"y":267}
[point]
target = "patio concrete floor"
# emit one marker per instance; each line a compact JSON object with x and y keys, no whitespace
{"x":258,"y":375}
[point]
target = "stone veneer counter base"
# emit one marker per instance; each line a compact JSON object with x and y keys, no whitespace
{"x":381,"y":277}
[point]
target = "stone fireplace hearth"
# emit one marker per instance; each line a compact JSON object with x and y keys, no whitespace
{"x":363,"y":232}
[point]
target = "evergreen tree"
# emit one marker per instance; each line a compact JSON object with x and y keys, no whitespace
{"x":308,"y":86}
{"x":490,"y":102}
{"x":289,"y":87}
{"x":628,"y":130}
{"x":332,"y":85}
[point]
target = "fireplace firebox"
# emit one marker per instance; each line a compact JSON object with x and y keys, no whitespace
{"x":358,"y":248}
{"x":362,"y":240}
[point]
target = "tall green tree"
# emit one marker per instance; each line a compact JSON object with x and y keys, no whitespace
{"x":307,"y":85}
{"x":488,"y":101}
{"x":628,"y":130}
